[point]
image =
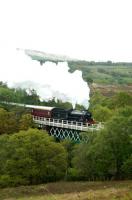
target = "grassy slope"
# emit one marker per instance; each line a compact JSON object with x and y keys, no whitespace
{"x":108,"y":77}
{"x":71,"y":191}
{"x":104,"y":74}
{"x":113,"y":73}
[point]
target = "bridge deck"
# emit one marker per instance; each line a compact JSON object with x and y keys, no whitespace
{"x":67,"y":124}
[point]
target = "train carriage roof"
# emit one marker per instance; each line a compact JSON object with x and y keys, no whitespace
{"x":52,"y":109}
{"x":40,"y":107}
{"x":37,"y":107}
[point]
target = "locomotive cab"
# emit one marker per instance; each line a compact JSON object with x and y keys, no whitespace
{"x":59,"y":113}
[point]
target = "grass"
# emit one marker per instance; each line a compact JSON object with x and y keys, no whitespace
{"x":104,"y":74}
{"x":119,"y":73}
{"x":121,"y":190}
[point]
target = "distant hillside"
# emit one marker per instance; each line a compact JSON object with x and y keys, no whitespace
{"x":106,"y":73}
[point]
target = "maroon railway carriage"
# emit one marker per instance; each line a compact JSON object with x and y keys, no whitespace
{"x":49,"y":112}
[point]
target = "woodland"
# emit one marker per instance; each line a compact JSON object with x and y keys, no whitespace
{"x":30,"y":156}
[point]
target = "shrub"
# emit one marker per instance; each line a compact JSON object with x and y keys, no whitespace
{"x":31,"y":157}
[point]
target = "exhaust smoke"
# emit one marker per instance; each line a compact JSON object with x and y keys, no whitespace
{"x":49,"y":80}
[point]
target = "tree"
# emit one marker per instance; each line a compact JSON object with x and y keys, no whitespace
{"x":8,"y":122}
{"x":117,"y":139}
{"x":121,"y":100}
{"x":107,"y":152}
{"x":6,"y":94}
{"x":127,"y":168}
{"x":102,"y":114}
{"x":32,"y":97}
{"x":31,"y":157}
{"x":97,"y":99}
{"x":84,"y":159}
{"x":25,"y":122}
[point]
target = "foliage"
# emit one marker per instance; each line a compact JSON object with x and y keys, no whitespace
{"x":103,"y":72}
{"x":28,"y":97}
{"x":121,"y":100}
{"x":31,"y":157}
{"x":8,"y":122}
{"x":102,"y":114}
{"x":11,"y":122}
{"x":96,"y":100}
{"x":104,"y":156}
{"x":56,"y":103}
{"x":127,"y":168}
{"x":25,"y":122}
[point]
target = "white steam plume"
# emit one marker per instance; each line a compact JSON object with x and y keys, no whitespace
{"x":49,"y":80}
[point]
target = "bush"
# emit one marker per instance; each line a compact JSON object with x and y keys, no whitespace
{"x":72,"y":175}
{"x":127,"y":168}
{"x":31,"y":157}
{"x":7,"y":180}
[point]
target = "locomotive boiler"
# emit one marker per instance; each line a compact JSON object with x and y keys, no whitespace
{"x":80,"y":116}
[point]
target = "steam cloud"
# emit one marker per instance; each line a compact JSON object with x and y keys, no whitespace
{"x":49,"y":80}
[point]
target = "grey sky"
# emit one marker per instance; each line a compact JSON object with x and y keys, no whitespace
{"x":86,"y":29}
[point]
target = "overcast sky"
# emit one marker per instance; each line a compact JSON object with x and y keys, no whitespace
{"x":86,"y":29}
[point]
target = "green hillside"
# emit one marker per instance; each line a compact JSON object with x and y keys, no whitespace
{"x":104,"y":73}
{"x":93,"y":72}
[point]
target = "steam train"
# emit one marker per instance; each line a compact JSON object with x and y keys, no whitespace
{"x":63,"y":114}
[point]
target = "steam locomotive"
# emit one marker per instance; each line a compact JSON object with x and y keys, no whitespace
{"x":63,"y":114}
{"x":83,"y":116}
